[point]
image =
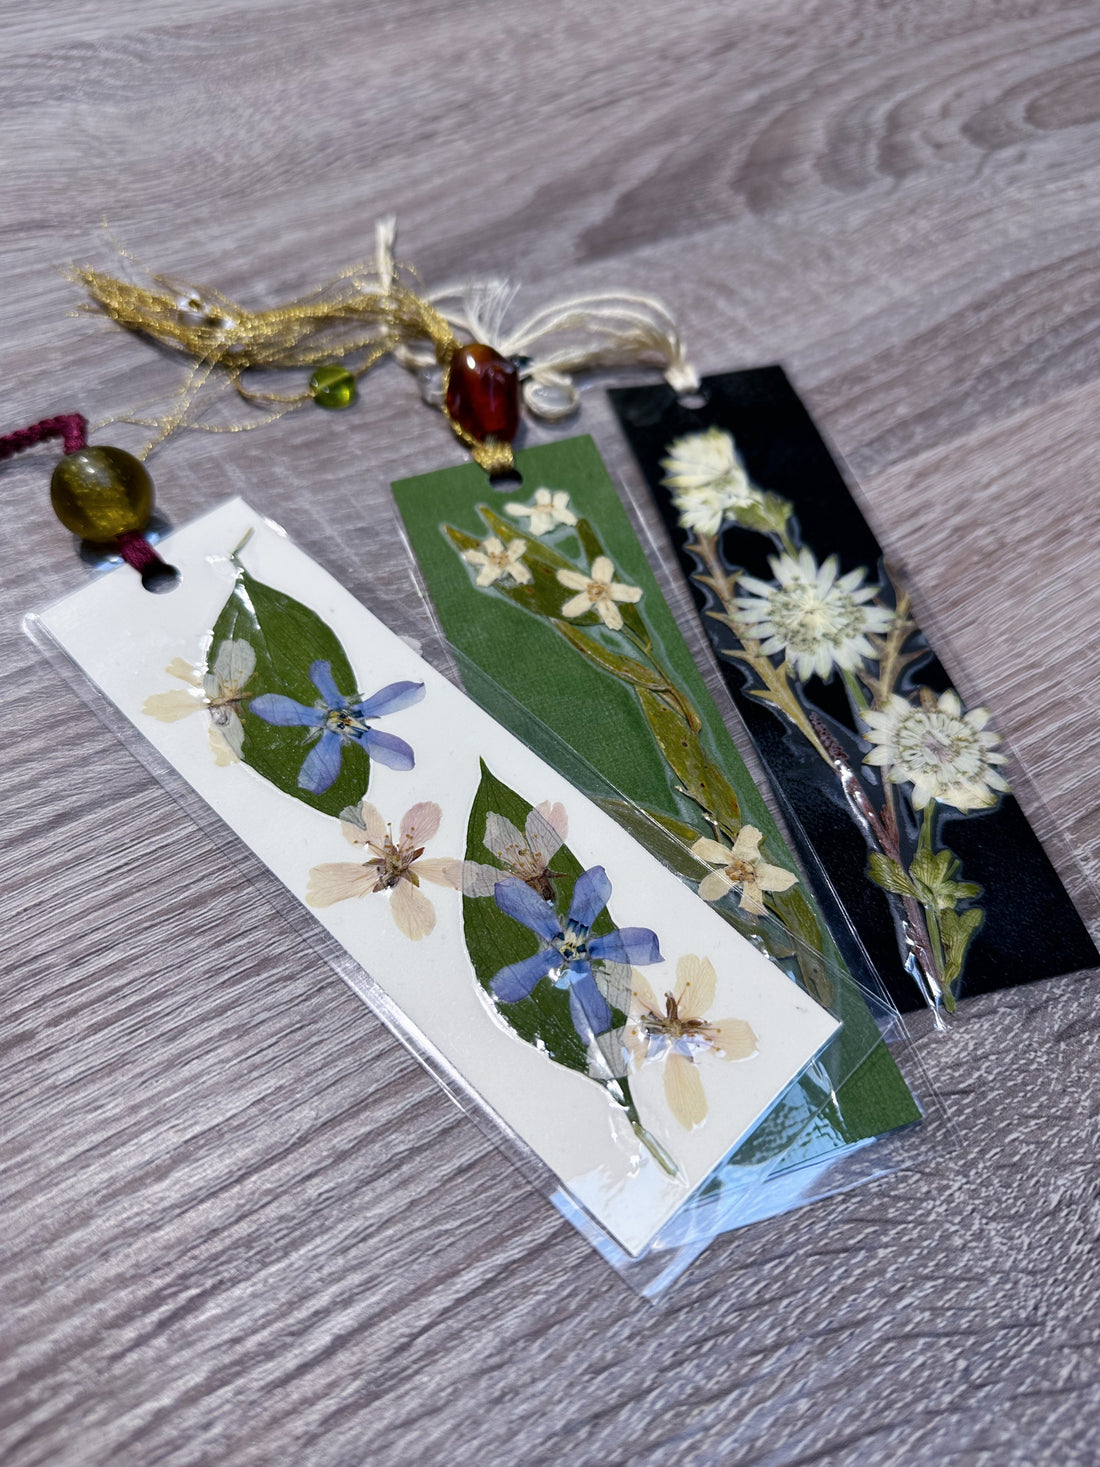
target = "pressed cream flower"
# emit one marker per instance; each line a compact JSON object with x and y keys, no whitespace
{"x":497,"y":561}
{"x":545,"y":511}
{"x":395,"y":866}
{"x":598,"y":591}
{"x":707,"y":481}
{"x":740,"y":865}
{"x":816,"y":619}
{"x":220,"y":692}
{"x":946,"y":754}
{"x":679,"y":1032}
{"x":527,"y":855}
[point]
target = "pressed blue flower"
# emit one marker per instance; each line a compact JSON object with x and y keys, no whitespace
{"x":570,"y":952}
{"x":336,"y":721}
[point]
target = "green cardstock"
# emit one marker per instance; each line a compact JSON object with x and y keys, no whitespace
{"x":569,"y":621}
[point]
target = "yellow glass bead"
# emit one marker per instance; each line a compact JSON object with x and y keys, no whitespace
{"x":101,"y":493}
{"x":332,"y":387}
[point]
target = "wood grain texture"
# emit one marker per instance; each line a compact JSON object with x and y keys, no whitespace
{"x":238,"y":1224}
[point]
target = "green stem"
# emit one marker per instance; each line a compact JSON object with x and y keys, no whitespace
{"x":860,"y":701}
{"x":653,"y":1146}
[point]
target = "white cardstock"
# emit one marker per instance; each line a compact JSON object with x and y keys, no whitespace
{"x":123,"y":639}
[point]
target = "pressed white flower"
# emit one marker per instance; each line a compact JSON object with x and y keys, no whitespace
{"x":397,"y":867}
{"x":598,"y":591}
{"x":740,"y":865}
{"x":679,"y":1032}
{"x":815,"y":618}
{"x":545,"y":511}
{"x":946,"y":754}
{"x":527,"y":855}
{"x":497,"y":561}
{"x":707,"y":481}
{"x":220,"y":692}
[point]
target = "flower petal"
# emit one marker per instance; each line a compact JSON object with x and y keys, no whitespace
{"x":556,"y":815}
{"x":736,"y":1039}
{"x":322,"y":764}
{"x":411,"y":910}
{"x":374,"y":827}
{"x":774,"y":878}
{"x":713,"y":888}
{"x":388,"y":749}
{"x":390,"y":699}
{"x":440,"y":871}
{"x":590,"y":896}
{"x":574,"y":580}
{"x":576,"y":605}
{"x":478,"y":879}
{"x":696,"y":982}
{"x":752,"y":899}
{"x":644,"y":999}
{"x":589,"y":1010}
{"x":336,"y":881}
{"x":320,"y":675}
{"x":235,"y":662}
{"x":684,"y":1091}
{"x":516,"y":900}
{"x":602,"y":570}
{"x":543,"y":840}
{"x":420,"y":823}
{"x":627,"y":945}
{"x":609,"y":613}
{"x":170,"y":706}
{"x":747,"y":845}
{"x":502,"y":838}
{"x":517,"y":979}
{"x":285,"y":712}
{"x":712,"y":852}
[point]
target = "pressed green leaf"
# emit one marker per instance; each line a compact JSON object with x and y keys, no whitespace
{"x":701,"y":779}
{"x":544,"y":594}
{"x":494,"y":939}
{"x":770,"y":518}
{"x":889,"y":874}
{"x":287,"y":638}
{"x":628,"y":668}
{"x":958,"y":930}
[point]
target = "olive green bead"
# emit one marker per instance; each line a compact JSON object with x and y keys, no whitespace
{"x":332,"y":387}
{"x":101,"y":493}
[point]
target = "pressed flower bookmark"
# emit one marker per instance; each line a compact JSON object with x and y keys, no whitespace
{"x":512,"y":930}
{"x":545,"y":590}
{"x":895,"y":791}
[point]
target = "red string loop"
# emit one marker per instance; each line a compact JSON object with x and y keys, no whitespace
{"x":71,"y":428}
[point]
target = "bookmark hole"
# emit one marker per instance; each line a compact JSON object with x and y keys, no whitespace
{"x":693,"y":401}
{"x":507,"y":483}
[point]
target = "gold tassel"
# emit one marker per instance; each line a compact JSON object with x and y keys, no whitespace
{"x":360,"y":313}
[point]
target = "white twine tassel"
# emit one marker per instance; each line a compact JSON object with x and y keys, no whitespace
{"x":604,"y":329}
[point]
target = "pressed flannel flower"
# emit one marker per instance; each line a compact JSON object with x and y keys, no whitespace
{"x":526,"y":856}
{"x":397,"y":867}
{"x":220,"y":692}
{"x":707,"y":481}
{"x":336,"y":721}
{"x":597,"y":591}
{"x":545,"y":511}
{"x":679,"y":1032}
{"x":497,"y":561}
{"x":815,"y":618}
{"x":568,"y":950}
{"x":946,"y":754}
{"x":740,"y":865}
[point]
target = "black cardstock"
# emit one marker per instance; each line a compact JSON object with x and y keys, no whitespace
{"x":1031,"y":928}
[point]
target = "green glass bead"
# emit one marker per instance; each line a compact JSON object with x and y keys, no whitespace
{"x":332,"y":387}
{"x":101,"y":493}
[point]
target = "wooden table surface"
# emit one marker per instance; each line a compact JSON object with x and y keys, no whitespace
{"x":239,"y":1225}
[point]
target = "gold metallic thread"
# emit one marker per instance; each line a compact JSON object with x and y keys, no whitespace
{"x":347,"y":317}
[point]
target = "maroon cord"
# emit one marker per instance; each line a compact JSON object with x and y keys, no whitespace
{"x":72,"y":428}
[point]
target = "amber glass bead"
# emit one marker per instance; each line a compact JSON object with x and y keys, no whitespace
{"x":332,"y":387}
{"x":101,"y":493}
{"x":483,"y":392}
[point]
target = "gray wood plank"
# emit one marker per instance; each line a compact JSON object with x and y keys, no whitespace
{"x":237,"y":1222}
